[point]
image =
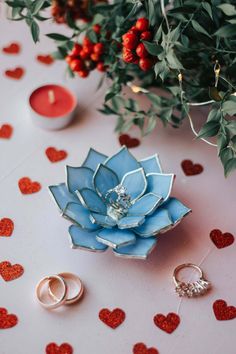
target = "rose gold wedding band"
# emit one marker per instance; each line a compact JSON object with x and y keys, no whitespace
{"x":58,"y":301}
{"x":76,"y":279}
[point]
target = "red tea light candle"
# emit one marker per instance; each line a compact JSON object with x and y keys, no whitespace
{"x":52,"y":106}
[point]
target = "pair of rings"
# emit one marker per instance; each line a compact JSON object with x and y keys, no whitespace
{"x":191,"y":289}
{"x":60,"y":289}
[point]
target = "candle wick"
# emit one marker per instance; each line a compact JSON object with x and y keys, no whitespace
{"x":51,"y":96}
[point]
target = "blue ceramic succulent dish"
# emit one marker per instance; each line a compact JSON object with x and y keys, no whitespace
{"x":118,"y":202}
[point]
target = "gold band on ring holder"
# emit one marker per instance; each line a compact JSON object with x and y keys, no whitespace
{"x":58,"y":301}
{"x":193,"y":289}
{"x":76,"y":280}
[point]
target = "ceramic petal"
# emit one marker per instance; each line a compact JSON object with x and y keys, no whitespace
{"x":93,"y":159}
{"x":78,"y":178}
{"x":135,"y":183}
{"x":85,"y":240}
{"x":102,"y":220}
{"x":79,"y":215}
{"x":91,"y":200}
{"x":122,"y":162}
{"x":128,"y":222}
{"x":62,"y":196}
{"x":104,"y":179}
{"x":146,"y":205}
{"x":176,"y":209}
{"x":154,"y":224}
{"x":151,"y":164}
{"x":116,"y":238}
{"x":160,"y":184}
{"x":140,"y":250}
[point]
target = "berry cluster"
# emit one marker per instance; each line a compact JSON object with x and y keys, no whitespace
{"x":76,"y":9}
{"x":134,"y":50}
{"x":88,"y":56}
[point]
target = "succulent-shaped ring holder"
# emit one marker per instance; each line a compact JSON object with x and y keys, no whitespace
{"x":118,"y":202}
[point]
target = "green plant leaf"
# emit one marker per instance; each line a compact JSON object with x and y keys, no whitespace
{"x":230,"y":166}
{"x":37,"y":5}
{"x":199,"y":28}
{"x":34,"y":27}
{"x":153,"y":48}
{"x":228,"y":9}
{"x":208,"y":9}
{"x":229,"y":106}
{"x":226,"y":31}
{"x":209,"y":129}
{"x":57,"y":37}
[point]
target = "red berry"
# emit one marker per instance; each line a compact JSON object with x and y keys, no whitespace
{"x":88,"y":48}
{"x":101,"y":67}
{"x":83,"y":73}
{"x":141,"y":51}
{"x":130,"y":40}
{"x":86,"y":41}
{"x":146,"y":63}
{"x":134,"y":30}
{"x":69,"y":59}
{"x":76,"y":65}
{"x":142,"y":24}
{"x":95,"y":56}
{"x":128,"y":56}
{"x":146,"y":35}
{"x":76,"y":49}
{"x":97,"y":28}
{"x":84,"y":55}
{"x":98,"y":48}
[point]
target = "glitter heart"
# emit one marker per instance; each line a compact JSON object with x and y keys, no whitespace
{"x":113,"y":318}
{"x":140,"y":348}
{"x":16,"y":73}
{"x":27,"y":186}
{"x":223,"y":312}
{"x":55,"y":155}
{"x":45,"y":59}
{"x":10,"y":272}
{"x":6,"y":227}
{"x":129,"y":142}
{"x":64,"y":348}
{"x":221,"y":240}
{"x":12,"y":48}
{"x":6,"y":131}
{"x":167,"y":323}
{"x":6,"y":320}
{"x":191,"y":169}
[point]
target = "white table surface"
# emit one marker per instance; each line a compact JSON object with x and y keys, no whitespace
{"x":40,"y":240}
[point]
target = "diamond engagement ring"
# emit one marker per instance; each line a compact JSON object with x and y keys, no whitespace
{"x":193,"y":289}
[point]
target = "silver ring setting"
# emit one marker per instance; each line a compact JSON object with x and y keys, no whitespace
{"x":191,"y":289}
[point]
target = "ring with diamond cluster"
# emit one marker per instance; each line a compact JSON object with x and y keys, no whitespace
{"x":191,"y":289}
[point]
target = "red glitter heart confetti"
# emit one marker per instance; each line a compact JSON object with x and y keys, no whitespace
{"x":64,"y":348}
{"x":222,"y":311}
{"x":6,"y":131}
{"x":16,"y":73}
{"x":6,"y":320}
{"x":6,"y":227}
{"x":12,"y":48}
{"x":221,"y":239}
{"x":191,"y":169}
{"x":45,"y":59}
{"x":27,"y":186}
{"x":113,"y":318}
{"x":167,"y":323}
{"x":55,"y":155}
{"x":129,"y":142}
{"x":10,"y":272}
{"x":141,"y":348}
